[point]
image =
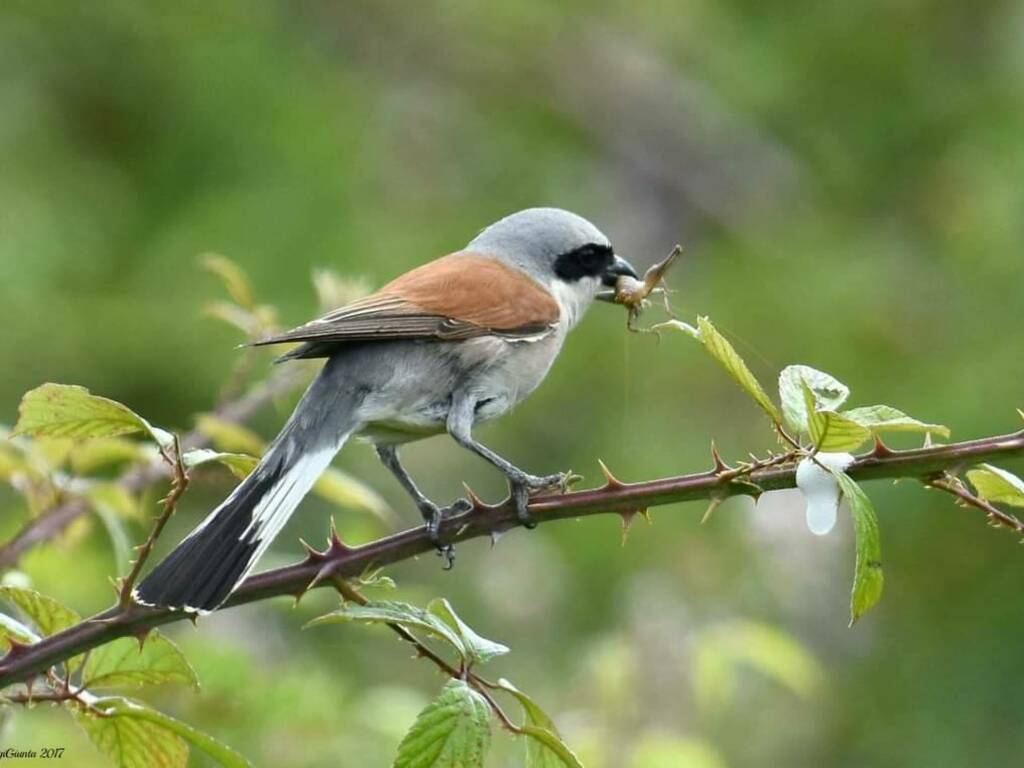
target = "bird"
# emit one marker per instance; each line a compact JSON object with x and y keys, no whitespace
{"x":451,"y":344}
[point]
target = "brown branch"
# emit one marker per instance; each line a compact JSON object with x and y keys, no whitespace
{"x":51,"y":523}
{"x":23,"y":662}
{"x":996,"y":516}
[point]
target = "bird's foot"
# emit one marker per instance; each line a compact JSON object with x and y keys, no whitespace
{"x":526,"y":486}
{"x":434,"y":515}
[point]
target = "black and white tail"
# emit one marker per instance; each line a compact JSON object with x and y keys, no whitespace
{"x":207,"y":566}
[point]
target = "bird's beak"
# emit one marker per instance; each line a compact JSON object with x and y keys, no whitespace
{"x":618,"y":268}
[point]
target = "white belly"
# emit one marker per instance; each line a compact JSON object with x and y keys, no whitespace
{"x":413,"y":404}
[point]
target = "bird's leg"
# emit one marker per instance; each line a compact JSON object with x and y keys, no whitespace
{"x":432,"y":514}
{"x":521,"y":484}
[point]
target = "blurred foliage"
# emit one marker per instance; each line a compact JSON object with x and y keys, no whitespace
{"x":846,"y":180}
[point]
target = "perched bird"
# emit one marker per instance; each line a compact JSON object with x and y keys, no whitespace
{"x":458,"y":341}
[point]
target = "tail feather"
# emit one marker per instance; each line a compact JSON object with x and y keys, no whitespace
{"x":203,"y":570}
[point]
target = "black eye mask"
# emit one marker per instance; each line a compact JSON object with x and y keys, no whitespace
{"x":590,"y":260}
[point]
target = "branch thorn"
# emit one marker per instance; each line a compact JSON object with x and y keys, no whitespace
{"x":335,"y":546}
{"x":313,"y":555}
{"x":478,"y":503}
{"x":611,"y":481}
{"x":629,"y":517}
{"x":716,"y":502}
{"x":881,"y":450}
{"x":720,"y":465}
{"x":142,"y":635}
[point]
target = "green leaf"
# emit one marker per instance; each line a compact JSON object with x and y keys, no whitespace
{"x":722,"y":650}
{"x":118,"y":537}
{"x":347,"y":492}
{"x":240,"y":464}
{"x":544,"y":748}
{"x":478,"y":649}
{"x":229,"y":436}
{"x":234,"y":278}
{"x":135,"y":736}
{"x":997,"y":485}
{"x":123,"y":663}
{"x":831,"y":431}
{"x":884,"y":418}
{"x":663,"y":750}
{"x":720,"y":349}
{"x":11,"y":628}
{"x":453,"y":731}
{"x":47,"y":614}
{"x":113,"y":497}
{"x":63,"y":410}
{"x":131,"y":742}
{"x":829,"y":394}
{"x":394,"y":612}
{"x":101,"y":452}
{"x":868,"y":578}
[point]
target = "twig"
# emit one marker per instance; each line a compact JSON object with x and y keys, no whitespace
{"x":997,"y":516}
{"x":484,"y":520}
{"x":179,"y":484}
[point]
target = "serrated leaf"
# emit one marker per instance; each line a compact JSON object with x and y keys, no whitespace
{"x":885,"y":418}
{"x":453,"y":731}
{"x":240,"y":464}
{"x":122,"y":663}
{"x":997,"y":485}
{"x":394,"y":612}
{"x":720,"y":349}
{"x":544,"y":747}
{"x":831,"y":431}
{"x":829,"y":394}
{"x":347,"y":492}
{"x":135,"y":736}
{"x":64,"y":410}
{"x":229,"y":436}
{"x":233,"y":277}
{"x":868,"y":579}
{"x":48,"y":615}
{"x":478,"y":649}
{"x":11,"y":628}
{"x":130,"y":742}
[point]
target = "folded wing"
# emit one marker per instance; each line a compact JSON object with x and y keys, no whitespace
{"x":460,"y":296}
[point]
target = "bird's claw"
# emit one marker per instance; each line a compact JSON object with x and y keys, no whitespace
{"x":434,"y":516}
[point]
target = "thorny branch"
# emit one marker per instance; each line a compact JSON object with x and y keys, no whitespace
{"x":22,"y":663}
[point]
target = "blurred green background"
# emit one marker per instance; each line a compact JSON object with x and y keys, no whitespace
{"x":846,"y":178}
